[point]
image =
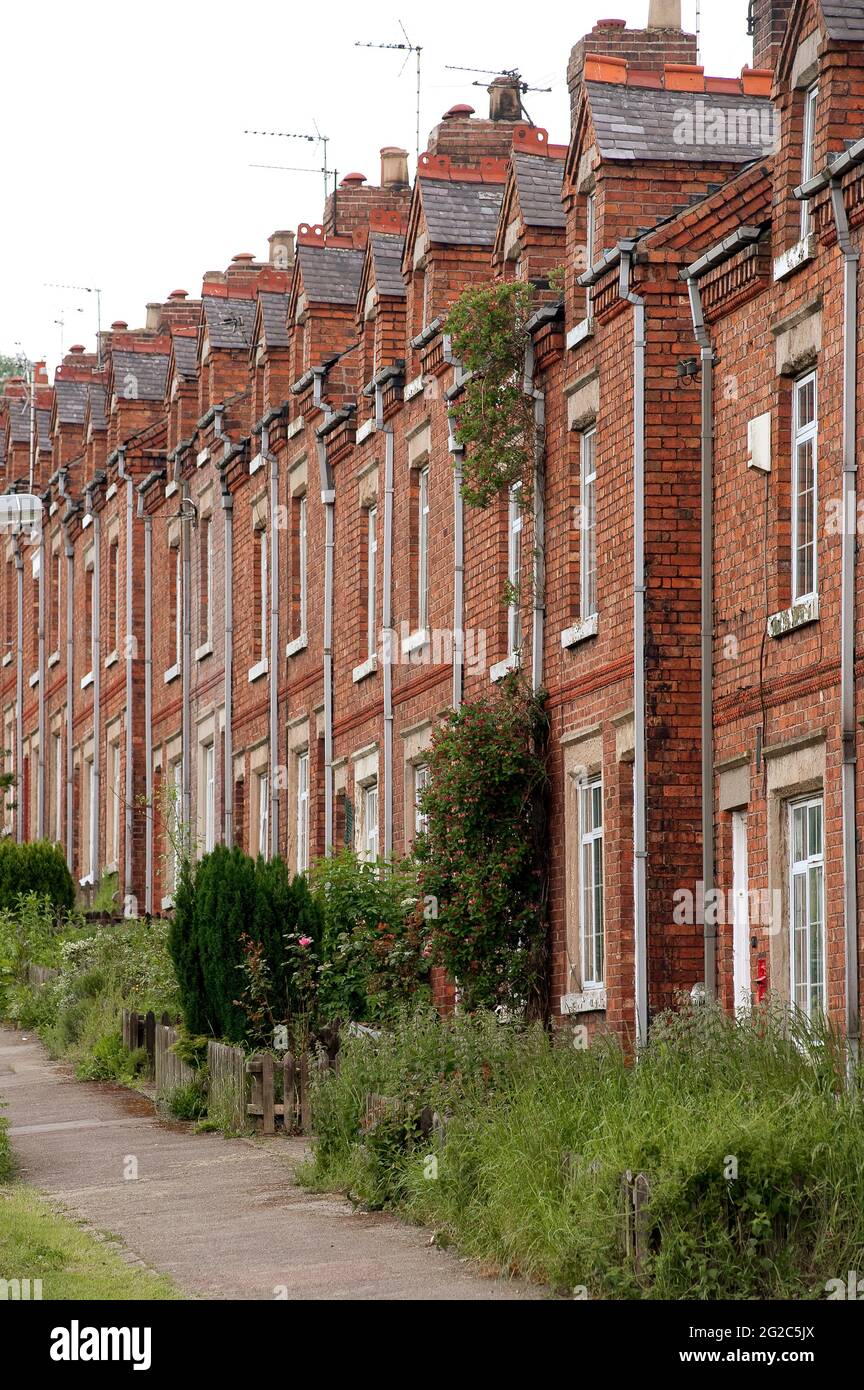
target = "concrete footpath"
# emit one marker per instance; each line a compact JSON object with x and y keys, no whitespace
{"x":222,"y":1217}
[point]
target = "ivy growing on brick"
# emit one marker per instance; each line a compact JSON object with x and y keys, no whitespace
{"x":493,"y":415}
{"x":482,"y":857}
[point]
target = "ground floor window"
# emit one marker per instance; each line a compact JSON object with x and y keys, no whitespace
{"x":807,"y":905}
{"x":591,"y":923}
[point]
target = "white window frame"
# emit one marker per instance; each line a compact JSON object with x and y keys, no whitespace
{"x":112,"y":825}
{"x":515,"y":523}
{"x":92,"y":833}
{"x":263,"y":579}
{"x":302,"y":522}
{"x":741,"y":987}
{"x":371,"y":580}
{"x":592,"y":936}
{"x":209,"y":752}
{"x":178,"y":606}
{"x":207,"y":521}
{"x":263,"y":788}
{"x":421,"y":782}
{"x":423,"y":548}
{"x":302,"y":857}
{"x":804,"y":436}
{"x":59,"y":788}
{"x":588,"y":524}
{"x":808,"y":151}
{"x":807,"y":867}
{"x":57,"y":597}
{"x":177,"y":814}
{"x":370,"y":822}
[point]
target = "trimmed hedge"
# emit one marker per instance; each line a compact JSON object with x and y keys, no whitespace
{"x":35,"y":867}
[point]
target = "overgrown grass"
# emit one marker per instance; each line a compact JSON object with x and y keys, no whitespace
{"x":110,"y":967}
{"x":36,"y":1242}
{"x":751,"y":1139}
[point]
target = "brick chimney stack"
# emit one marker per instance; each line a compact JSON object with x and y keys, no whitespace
{"x":645,"y":49}
{"x":505,"y":98}
{"x":394,"y":167}
{"x":770,"y":18}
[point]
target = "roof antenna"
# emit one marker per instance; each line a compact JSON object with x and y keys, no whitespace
{"x":407,"y":48}
{"x":85,"y":289}
{"x":316,"y":139}
{"x":513,"y":73}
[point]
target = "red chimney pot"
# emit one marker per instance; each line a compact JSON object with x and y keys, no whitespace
{"x":179,"y":294}
{"x":460,"y":109}
{"x":354,"y":177}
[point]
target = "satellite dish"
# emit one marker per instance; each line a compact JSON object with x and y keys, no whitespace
{"x":20,"y":514}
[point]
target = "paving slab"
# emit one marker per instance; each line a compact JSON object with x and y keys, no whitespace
{"x":223,"y":1217}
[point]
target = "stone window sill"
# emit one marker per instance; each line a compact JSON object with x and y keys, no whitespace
{"x":503,"y":668}
{"x":7,"y":660}
{"x":86,"y":680}
{"x":366,"y":668}
{"x":297,"y":644}
{"x":172,"y":673}
{"x":586,"y":1001}
{"x":788,"y":620}
{"x":34,"y":679}
{"x":415,"y":640}
{"x":110,"y":659}
{"x":796,"y":256}
{"x":167,"y":903}
{"x":580,"y":333}
{"x":579,"y":632}
{"x":206,"y":649}
{"x":53,"y":659}
{"x":258,"y":670}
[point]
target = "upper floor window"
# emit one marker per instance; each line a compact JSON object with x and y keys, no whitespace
{"x":205,"y":580}
{"x":56,"y":598}
{"x":114,"y":592}
{"x":421,"y":782}
{"x":302,"y":812}
{"x":370,"y":823}
{"x":176,"y":603}
{"x":209,"y":779}
{"x":804,"y":487}
{"x":300,"y":551}
{"x":261,"y":590}
{"x":423,"y":548}
{"x":588,"y":524}
{"x":371,"y":579}
{"x":514,"y":566}
{"x":808,"y":150}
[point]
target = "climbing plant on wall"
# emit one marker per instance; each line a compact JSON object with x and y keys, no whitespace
{"x":493,"y":415}
{"x":483,"y":855}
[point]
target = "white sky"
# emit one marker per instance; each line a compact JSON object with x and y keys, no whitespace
{"x":124,"y":160}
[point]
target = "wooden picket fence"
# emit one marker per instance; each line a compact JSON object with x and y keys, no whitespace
{"x":295,"y":1108}
{"x":139,"y":1030}
{"x":227,"y":1070}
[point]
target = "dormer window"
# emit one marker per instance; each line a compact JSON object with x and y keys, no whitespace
{"x":808,"y":151}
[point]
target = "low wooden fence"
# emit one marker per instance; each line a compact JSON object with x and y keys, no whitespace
{"x":292,"y":1079}
{"x":169,"y":1070}
{"x":38,"y":975}
{"x":226,"y":1066}
{"x":139,"y":1030}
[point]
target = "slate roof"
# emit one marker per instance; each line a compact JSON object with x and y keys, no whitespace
{"x":19,"y":421}
{"x":274,"y":317}
{"x":186,"y":354}
{"x":43,"y":428}
{"x":387,"y":249}
{"x":647,"y":123}
{"x":461,"y":214}
{"x":844,"y":20}
{"x":140,"y":375}
{"x":98,"y":418}
{"x":331,"y":274}
{"x":538,"y":184}
{"x":229,"y":321}
{"x":71,"y":401}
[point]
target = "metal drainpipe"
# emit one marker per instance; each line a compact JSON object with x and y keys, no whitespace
{"x":538,"y":502}
{"x":19,"y":695}
{"x":129,"y":781}
{"x":457,"y":452}
{"x":186,"y":673}
{"x":70,"y":672}
{"x":847,"y":610}
{"x":706,"y":349}
{"x":328,"y":499}
{"x":387,"y":616}
{"x":640,"y":851}
{"x":148,"y":705}
{"x":40,"y":782}
{"x":97,"y":689}
{"x":228,"y":510}
{"x":273,"y":663}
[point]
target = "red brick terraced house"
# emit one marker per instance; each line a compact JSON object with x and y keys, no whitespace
{"x":259,"y":587}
